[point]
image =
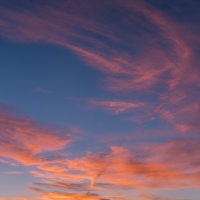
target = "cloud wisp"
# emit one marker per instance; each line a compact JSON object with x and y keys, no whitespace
{"x":23,"y":139}
{"x":171,"y":165}
{"x":140,"y":62}
{"x":117,"y":107}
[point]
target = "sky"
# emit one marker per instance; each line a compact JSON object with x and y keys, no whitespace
{"x":99,"y":100}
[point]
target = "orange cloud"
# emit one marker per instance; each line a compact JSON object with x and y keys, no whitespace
{"x":22,"y":138}
{"x":71,"y":196}
{"x":170,"y":165}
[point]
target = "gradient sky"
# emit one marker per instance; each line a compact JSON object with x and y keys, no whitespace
{"x":99,"y":99}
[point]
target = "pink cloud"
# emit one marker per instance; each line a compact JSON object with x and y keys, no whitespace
{"x":22,"y":138}
{"x":145,"y":66}
{"x":117,"y":106}
{"x":42,"y":90}
{"x":160,"y":168}
{"x":61,"y":27}
{"x":13,"y":172}
{"x":71,"y":196}
{"x":167,"y":166}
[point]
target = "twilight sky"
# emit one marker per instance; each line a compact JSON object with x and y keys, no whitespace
{"x":99,"y":99}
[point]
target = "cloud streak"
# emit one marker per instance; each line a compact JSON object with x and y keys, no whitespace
{"x":117,"y":106}
{"x":139,"y":70}
{"x":23,"y":139}
{"x":170,"y":165}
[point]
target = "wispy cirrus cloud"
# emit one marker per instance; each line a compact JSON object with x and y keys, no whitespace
{"x":123,"y":168}
{"x":42,"y":90}
{"x":167,"y":166}
{"x":140,"y":63}
{"x":173,"y":164}
{"x":71,"y":196}
{"x":23,"y":139}
{"x":117,"y":107}
{"x":132,"y":60}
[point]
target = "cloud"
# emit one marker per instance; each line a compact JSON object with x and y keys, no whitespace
{"x":71,"y":196}
{"x":23,"y":138}
{"x":42,"y":90}
{"x":167,"y":165}
{"x":162,"y":166}
{"x":69,"y":186}
{"x":144,"y":51}
{"x":13,"y":172}
{"x":140,"y":62}
{"x":117,"y":106}
{"x":8,"y":162}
